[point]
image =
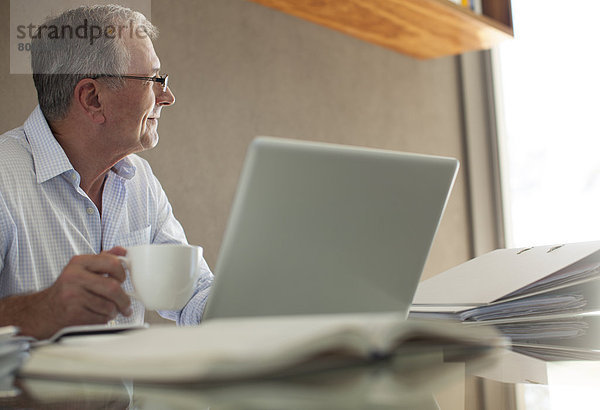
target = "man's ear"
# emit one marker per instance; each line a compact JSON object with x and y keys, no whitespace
{"x":86,"y":96}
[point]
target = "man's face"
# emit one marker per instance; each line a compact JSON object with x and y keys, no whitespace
{"x":134,"y":109}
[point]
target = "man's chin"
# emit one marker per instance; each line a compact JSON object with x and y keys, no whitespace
{"x":149,"y":141}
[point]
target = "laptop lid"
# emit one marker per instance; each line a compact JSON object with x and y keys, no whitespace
{"x":319,"y":228}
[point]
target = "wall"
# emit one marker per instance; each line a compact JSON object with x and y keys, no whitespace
{"x":239,"y":70}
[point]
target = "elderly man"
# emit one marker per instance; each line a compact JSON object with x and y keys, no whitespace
{"x":72,"y":192}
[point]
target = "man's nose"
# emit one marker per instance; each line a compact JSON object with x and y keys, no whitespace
{"x":165,"y":97}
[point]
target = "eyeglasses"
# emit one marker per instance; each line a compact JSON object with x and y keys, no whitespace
{"x":161,"y":79}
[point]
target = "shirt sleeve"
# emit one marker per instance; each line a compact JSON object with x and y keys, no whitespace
{"x":7,"y":238}
{"x":169,"y":230}
{"x":3,"y":231}
{"x":191,"y":314}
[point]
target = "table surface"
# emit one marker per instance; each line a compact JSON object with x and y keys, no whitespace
{"x":428,"y":380}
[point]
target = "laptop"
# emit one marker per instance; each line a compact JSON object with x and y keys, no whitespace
{"x":319,"y":228}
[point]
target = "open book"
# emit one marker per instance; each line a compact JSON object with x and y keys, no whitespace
{"x":250,"y":347}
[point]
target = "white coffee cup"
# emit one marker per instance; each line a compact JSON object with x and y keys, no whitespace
{"x":163,"y":275}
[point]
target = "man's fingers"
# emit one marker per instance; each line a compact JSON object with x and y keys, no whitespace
{"x":101,"y":306}
{"x":117,"y":250}
{"x":96,"y":318}
{"x":90,"y":317}
{"x":92,"y":284}
{"x":75,"y":300}
{"x":104,"y":263}
{"x":108,"y":294}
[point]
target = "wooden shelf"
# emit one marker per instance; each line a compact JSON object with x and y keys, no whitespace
{"x":419,"y":28}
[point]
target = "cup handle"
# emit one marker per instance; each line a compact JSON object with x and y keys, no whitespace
{"x":127,"y":267}
{"x":124,"y":263}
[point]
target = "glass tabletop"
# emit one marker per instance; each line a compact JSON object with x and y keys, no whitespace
{"x":428,"y":379}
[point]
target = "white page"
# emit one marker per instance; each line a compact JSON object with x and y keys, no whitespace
{"x":216,"y":349}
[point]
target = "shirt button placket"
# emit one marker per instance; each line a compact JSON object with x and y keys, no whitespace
{"x":94,"y":227}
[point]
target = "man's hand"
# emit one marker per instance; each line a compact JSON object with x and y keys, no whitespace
{"x":88,"y":291}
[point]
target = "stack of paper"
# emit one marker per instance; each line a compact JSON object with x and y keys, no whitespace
{"x":13,"y":351}
{"x":546,"y":298}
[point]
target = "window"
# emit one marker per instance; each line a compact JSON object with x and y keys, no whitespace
{"x":549,"y":88}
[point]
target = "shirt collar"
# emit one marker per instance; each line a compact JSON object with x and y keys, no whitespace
{"x":124,"y":168}
{"x":50,"y":159}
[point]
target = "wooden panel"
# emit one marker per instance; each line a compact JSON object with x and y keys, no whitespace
{"x":499,"y":10}
{"x":419,"y":28}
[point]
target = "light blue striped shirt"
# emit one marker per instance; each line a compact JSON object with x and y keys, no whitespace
{"x":46,"y":218}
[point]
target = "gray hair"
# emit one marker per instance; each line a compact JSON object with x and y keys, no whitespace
{"x":80,"y":43}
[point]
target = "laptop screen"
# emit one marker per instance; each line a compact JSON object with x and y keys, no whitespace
{"x":319,"y":228}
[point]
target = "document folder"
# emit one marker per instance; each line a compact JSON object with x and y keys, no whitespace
{"x":546,"y":299}
{"x":506,"y":274}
